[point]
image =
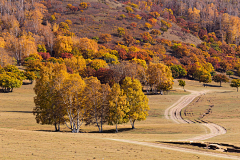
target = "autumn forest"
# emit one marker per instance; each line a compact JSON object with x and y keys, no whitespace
{"x":94,"y":62}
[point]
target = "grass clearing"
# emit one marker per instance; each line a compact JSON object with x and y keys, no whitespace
{"x":23,"y":138}
{"x":50,"y":145}
{"x":224,"y":109}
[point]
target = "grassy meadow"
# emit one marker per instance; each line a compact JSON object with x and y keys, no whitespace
{"x":224,"y":105}
{"x":22,"y":138}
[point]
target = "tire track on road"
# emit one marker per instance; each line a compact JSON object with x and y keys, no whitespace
{"x":180,"y":149}
{"x":174,"y":113}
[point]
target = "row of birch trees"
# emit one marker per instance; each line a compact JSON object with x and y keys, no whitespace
{"x":63,"y":98}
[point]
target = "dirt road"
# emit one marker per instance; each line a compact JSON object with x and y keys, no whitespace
{"x":174,"y":113}
{"x":180,"y":149}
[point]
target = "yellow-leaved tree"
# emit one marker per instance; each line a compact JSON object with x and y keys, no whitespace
{"x":118,"y":106}
{"x":137,"y":101}
{"x":63,"y":44}
{"x":5,"y":58}
{"x":194,"y":14}
{"x":72,"y":98}
{"x":87,"y":47}
{"x":93,"y":95}
{"x":98,"y":63}
{"x":75,"y":63}
{"x":22,"y":46}
{"x":59,"y":97}
{"x":159,"y":77}
{"x":48,"y":109}
{"x":88,"y":44}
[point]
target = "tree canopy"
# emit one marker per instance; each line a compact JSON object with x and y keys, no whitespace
{"x":235,"y":83}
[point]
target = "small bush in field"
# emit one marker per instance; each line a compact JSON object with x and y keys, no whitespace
{"x":129,"y":9}
{"x":138,"y":17}
{"x":122,"y":16}
{"x":83,"y":5}
{"x":155,"y":32}
{"x":105,"y":38}
{"x":163,"y":29}
{"x":121,"y":31}
{"x":148,"y":25}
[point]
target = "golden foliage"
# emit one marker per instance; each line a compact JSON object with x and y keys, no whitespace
{"x":63,"y":44}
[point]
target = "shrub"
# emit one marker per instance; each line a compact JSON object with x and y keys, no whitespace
{"x":105,"y":38}
{"x":109,"y":58}
{"x":138,"y":17}
{"x":122,"y":16}
{"x":163,"y":29}
{"x":121,"y":31}
{"x":96,"y":38}
{"x":83,"y":5}
{"x":44,"y":55}
{"x":66,"y":55}
{"x":153,"y":21}
{"x":148,"y":25}
{"x":41,"y":48}
{"x":167,"y":24}
{"x":8,"y":82}
{"x":155,"y":32}
{"x":129,"y":9}
{"x":30,"y":76}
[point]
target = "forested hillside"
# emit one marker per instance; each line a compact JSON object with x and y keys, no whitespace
{"x":110,"y":45}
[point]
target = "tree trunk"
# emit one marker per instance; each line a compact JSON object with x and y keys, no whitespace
{"x":101,"y":119}
{"x":55,"y":124}
{"x":78,"y":124}
{"x":220,"y":84}
{"x":237,"y":89}
{"x":116,"y":128}
{"x":133,"y":124}
{"x":161,"y":92}
{"x":57,"y":127}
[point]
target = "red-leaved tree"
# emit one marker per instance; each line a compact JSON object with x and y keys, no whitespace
{"x":45,"y":56}
{"x":105,"y":76}
{"x":66,"y":55}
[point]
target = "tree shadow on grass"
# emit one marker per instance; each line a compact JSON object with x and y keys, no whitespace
{"x":27,"y":83}
{"x":43,"y":130}
{"x":2,"y":91}
{"x":19,"y":111}
{"x":113,"y":130}
{"x":233,"y":77}
{"x":82,"y":131}
{"x":227,"y":92}
{"x":210,"y":85}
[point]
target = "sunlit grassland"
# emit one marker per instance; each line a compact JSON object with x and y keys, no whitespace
{"x":22,"y":138}
{"x":225,"y":111}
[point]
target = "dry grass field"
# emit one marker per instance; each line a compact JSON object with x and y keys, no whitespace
{"x":220,"y":106}
{"x":22,"y":138}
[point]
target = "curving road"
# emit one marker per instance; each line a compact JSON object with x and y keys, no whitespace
{"x":174,"y":113}
{"x":175,"y":148}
